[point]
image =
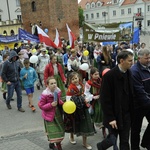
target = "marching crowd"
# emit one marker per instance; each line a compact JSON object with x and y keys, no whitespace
{"x":113,"y":92}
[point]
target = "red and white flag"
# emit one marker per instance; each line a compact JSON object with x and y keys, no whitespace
{"x":71,"y":36}
{"x":58,"y":41}
{"x":44,"y":38}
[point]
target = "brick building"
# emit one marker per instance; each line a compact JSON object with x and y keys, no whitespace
{"x":51,"y":14}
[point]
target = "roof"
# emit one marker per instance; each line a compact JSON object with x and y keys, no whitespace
{"x":83,"y":3}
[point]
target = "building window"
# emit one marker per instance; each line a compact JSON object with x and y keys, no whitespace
{"x":114,"y":12}
{"x":98,"y":4}
{"x":97,"y":15}
{"x":148,"y":22}
{"x":0,"y":18}
{"x":17,"y":3}
{"x":19,"y":17}
{"x":86,"y":16}
{"x":148,"y":8}
{"x":93,"y":5}
{"x":139,"y":10}
{"x":92,"y":16}
{"x":88,"y":6}
{"x":115,"y":1}
{"x":129,"y":10}
{"x":12,"y":32}
{"x":33,"y":6}
{"x":4,"y":32}
{"x":122,"y":11}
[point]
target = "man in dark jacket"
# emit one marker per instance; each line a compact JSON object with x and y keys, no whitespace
{"x":10,"y":75}
{"x":116,"y":101}
{"x":141,"y":80}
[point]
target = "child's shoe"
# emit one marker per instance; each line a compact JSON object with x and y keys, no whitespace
{"x":52,"y":146}
{"x":59,"y":146}
{"x":33,"y":108}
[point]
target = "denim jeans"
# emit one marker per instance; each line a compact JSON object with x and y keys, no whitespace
{"x":10,"y":90}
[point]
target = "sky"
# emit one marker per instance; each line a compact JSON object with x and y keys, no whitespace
{"x":79,"y":1}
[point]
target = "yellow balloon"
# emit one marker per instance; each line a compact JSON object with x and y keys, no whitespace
{"x":69,"y":107}
{"x":86,"y":53}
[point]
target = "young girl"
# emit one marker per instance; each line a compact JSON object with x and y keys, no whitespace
{"x":78,"y":123}
{"x":55,"y":69}
{"x":49,"y":104}
{"x":92,"y":90}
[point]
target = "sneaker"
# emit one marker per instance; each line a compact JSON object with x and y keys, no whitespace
{"x":4,"y":95}
{"x":38,"y":87}
{"x":12,"y":99}
{"x":8,"y":106}
{"x":21,"y":109}
{"x":33,"y":108}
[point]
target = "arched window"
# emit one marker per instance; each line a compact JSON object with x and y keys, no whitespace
{"x":92,"y":5}
{"x":33,"y":6}
{"x":12,"y":32}
{"x":4,"y":32}
{"x":87,"y":6}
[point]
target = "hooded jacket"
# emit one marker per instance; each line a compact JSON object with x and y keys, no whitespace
{"x":10,"y":69}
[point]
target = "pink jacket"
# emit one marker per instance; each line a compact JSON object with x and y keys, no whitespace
{"x":48,"y":111}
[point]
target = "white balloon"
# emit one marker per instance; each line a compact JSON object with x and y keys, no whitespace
{"x":33,"y":59}
{"x":84,"y":66}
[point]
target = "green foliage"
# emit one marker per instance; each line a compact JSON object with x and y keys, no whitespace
{"x":81,"y":16}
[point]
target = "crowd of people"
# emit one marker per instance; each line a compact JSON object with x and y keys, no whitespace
{"x":117,"y":99}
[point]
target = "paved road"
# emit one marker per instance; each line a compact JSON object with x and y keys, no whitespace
{"x":25,"y":131}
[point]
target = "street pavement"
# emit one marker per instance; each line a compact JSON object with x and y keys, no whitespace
{"x":25,"y":131}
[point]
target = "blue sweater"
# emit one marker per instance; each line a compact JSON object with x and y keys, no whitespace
{"x":31,"y":77}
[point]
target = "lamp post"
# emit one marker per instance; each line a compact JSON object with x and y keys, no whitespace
{"x":104,"y":13}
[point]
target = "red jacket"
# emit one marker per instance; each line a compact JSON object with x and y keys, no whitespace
{"x":49,"y":71}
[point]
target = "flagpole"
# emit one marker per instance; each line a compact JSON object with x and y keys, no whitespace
{"x":83,"y":31}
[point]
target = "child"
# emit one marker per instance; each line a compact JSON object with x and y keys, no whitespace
{"x":92,"y":90}
{"x":80,"y":121}
{"x":28,"y":76}
{"x":51,"y":113}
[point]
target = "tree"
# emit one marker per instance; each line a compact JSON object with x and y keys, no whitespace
{"x":81,"y":16}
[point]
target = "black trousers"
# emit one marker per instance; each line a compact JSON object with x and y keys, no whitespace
{"x":140,"y":113}
{"x":111,"y":139}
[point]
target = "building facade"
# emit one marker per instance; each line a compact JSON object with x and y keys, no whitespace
{"x":10,"y":17}
{"x":51,"y":14}
{"x":110,"y":11}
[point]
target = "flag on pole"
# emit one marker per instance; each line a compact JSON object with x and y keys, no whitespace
{"x":43,"y":37}
{"x":71,"y":36}
{"x":57,"y":41}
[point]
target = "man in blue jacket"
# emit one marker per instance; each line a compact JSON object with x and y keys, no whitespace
{"x":141,"y":79}
{"x":10,"y":75}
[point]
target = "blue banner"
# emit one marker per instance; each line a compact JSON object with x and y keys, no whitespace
{"x":24,"y":35}
{"x":8,"y":39}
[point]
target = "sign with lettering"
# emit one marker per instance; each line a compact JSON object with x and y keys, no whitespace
{"x":109,"y":32}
